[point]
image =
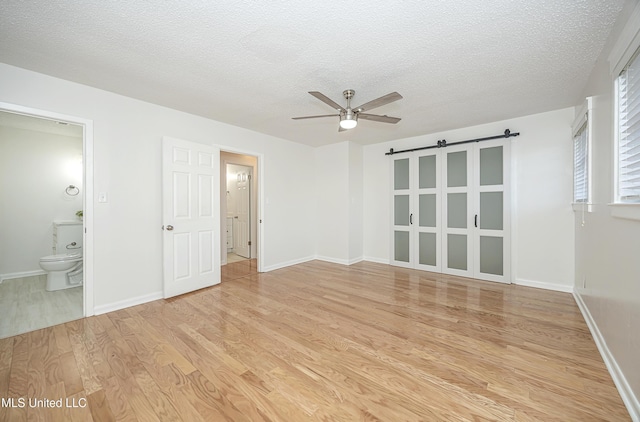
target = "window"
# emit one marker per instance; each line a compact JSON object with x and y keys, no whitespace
{"x":582,"y":157}
{"x":628,"y":132}
{"x":581,"y":165}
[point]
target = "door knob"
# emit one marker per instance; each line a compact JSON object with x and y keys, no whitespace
{"x":169,"y":227}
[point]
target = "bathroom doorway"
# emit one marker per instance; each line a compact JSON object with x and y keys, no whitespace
{"x":239,"y":209}
{"x":43,"y":189}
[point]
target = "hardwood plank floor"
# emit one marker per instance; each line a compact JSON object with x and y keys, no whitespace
{"x":320,"y":342}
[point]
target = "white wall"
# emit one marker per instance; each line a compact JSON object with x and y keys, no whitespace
{"x":127,"y":165}
{"x":608,"y":248}
{"x":35,"y":170}
{"x":332,"y":193}
{"x":339,"y":184}
{"x":543,"y":248}
{"x":356,"y":186}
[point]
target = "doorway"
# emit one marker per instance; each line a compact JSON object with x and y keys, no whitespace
{"x":238,"y":202}
{"x":46,"y":189}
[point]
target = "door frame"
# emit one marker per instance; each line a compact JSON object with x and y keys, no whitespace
{"x":250,"y":205}
{"x":87,"y":199}
{"x":258,"y":175}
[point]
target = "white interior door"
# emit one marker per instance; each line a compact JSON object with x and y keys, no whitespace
{"x":402,"y":237}
{"x":493,"y":210}
{"x":191,"y":224}
{"x":457,"y":211}
{"x":451,"y":210}
{"x":242,"y":214}
{"x":428,"y":206}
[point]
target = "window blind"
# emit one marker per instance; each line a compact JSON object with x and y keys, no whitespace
{"x":580,"y":165}
{"x":629,"y":131}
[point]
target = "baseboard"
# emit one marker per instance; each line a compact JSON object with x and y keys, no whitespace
{"x":376,"y":260}
{"x":287,"y":263}
{"x":311,"y":258}
{"x":338,"y":260}
{"x":543,"y":285}
{"x":116,"y":306}
{"x":21,"y":274}
{"x":629,"y":399}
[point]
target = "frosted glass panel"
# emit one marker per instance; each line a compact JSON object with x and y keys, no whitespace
{"x":401,"y":210}
{"x":491,"y":210}
{"x":491,"y":166}
{"x":491,"y":255}
{"x":457,"y":210}
{"x":401,"y":246}
{"x":427,"y":247}
{"x":427,"y":170}
{"x":427,"y":213}
{"x":457,"y":251}
{"x":457,"y":169}
{"x":401,"y":174}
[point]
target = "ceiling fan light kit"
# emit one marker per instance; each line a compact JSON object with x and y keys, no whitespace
{"x":348,"y":120}
{"x":349,"y":116}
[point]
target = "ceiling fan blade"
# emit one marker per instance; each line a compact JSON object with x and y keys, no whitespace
{"x":326,"y":100}
{"x":315,"y":117}
{"x":377,"y":118}
{"x":386,"y":99}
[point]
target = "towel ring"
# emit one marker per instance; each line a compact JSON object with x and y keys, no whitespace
{"x":72,"y":190}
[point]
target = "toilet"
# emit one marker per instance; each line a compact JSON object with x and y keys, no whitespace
{"x":64,"y":267}
{"x":62,"y":270}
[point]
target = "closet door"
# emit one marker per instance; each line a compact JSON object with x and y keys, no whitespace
{"x":457,"y":210}
{"x":451,"y":210}
{"x":428,"y":211}
{"x":492,"y":204}
{"x":402,"y":218}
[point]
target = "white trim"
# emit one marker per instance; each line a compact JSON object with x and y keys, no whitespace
{"x":376,"y":260}
{"x":582,"y":206}
{"x":629,"y":399}
{"x":260,"y":201}
{"x":629,"y":211}
{"x":581,"y":117}
{"x":288,"y":263}
{"x":87,"y":164}
{"x":627,"y":43}
{"x":514,"y":210}
{"x":566,"y":288}
{"x":21,"y":274}
{"x":127,"y":303}
{"x":339,"y":260}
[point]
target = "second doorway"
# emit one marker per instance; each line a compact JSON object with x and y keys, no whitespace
{"x":239,"y":199}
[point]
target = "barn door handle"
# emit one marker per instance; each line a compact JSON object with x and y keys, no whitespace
{"x":410,"y":219}
{"x":475,"y":220}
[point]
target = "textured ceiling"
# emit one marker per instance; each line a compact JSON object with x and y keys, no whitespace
{"x":251,"y":63}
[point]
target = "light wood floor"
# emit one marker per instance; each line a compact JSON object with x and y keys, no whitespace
{"x":233,"y":257}
{"x":321,"y":342}
{"x":26,"y":305}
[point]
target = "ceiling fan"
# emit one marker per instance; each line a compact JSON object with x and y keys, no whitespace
{"x":349,"y":116}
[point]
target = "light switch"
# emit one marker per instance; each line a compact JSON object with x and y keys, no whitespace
{"x":102,"y":197}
